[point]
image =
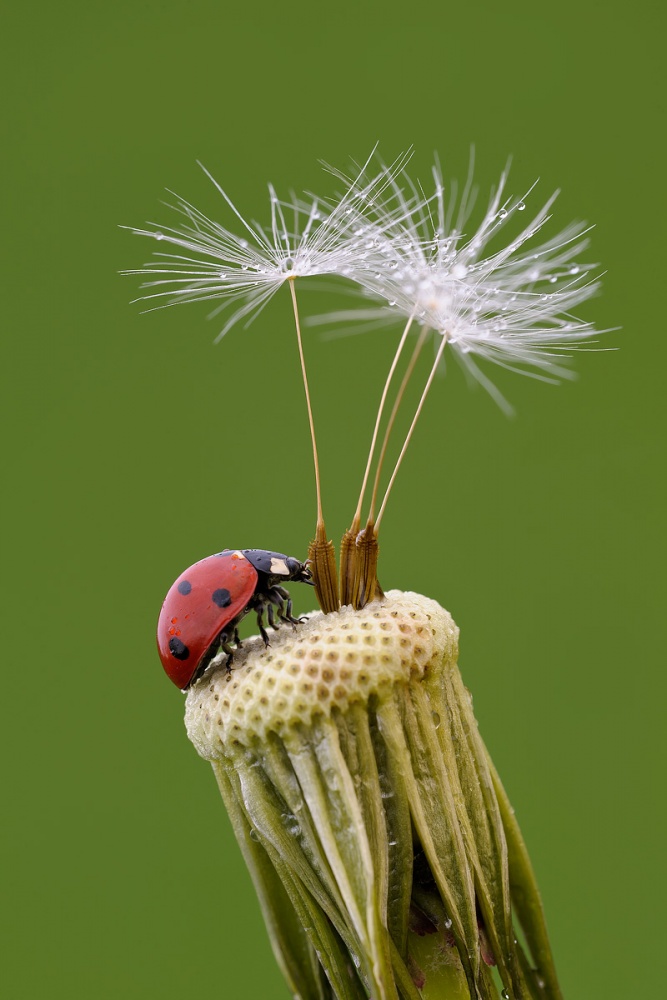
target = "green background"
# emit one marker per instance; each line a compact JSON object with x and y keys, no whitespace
{"x":133,"y":446}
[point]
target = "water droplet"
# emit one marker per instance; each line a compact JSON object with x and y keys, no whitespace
{"x":392,"y":302}
{"x":288,"y":263}
{"x":574,"y":269}
{"x":448,"y":924}
{"x":544,"y":297}
{"x":502,"y":214}
{"x":436,"y":719}
{"x":505,"y":995}
{"x":254,"y":835}
{"x":521,"y":207}
{"x":293,"y":828}
{"x":553,"y":279}
{"x":223,"y":275}
{"x":158,"y":236}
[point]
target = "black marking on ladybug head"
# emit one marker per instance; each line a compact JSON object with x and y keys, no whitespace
{"x":222,"y":597}
{"x":178,"y":649}
{"x":184,"y":587}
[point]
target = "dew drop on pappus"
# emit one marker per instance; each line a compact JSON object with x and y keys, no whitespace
{"x":502,"y":214}
{"x":521,"y":207}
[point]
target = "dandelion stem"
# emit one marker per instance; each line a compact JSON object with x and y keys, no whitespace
{"x":399,"y":397}
{"x":357,"y":516}
{"x":320,"y":516}
{"x":321,"y":550}
{"x":412,"y":427}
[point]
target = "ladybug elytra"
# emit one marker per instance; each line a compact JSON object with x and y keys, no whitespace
{"x":203,"y":608}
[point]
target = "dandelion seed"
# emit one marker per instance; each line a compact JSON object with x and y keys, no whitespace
{"x":305,"y":238}
{"x":459,"y":285}
{"x":321,"y":238}
{"x":483,"y":299}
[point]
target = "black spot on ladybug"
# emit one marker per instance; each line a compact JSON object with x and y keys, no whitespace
{"x":222,"y":597}
{"x":178,"y":649}
{"x":184,"y":587}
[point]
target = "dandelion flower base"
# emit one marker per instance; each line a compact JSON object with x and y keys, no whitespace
{"x":386,"y":857}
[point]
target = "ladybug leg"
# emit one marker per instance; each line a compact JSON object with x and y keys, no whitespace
{"x":225,"y":640}
{"x":270,"y":614}
{"x":261,"y":607}
{"x":286,"y":606}
{"x":277,"y":596}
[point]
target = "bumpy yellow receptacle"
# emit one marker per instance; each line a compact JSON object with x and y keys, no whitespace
{"x":379,"y":838}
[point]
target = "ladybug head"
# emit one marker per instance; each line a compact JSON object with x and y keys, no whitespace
{"x":299,"y":571}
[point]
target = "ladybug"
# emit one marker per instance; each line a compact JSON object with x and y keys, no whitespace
{"x":201,"y":613}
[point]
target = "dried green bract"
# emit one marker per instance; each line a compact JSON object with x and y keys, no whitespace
{"x":386,"y":857}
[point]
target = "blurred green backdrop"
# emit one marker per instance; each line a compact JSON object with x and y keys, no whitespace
{"x":131,"y":450}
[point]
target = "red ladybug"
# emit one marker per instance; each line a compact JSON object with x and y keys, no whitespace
{"x":204,"y":606}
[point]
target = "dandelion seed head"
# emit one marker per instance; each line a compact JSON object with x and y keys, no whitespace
{"x":510,"y":302}
{"x":305,"y":237}
{"x":492,"y":289}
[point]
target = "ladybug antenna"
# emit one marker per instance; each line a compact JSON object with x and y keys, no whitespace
{"x":408,"y":437}
{"x":321,"y":550}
